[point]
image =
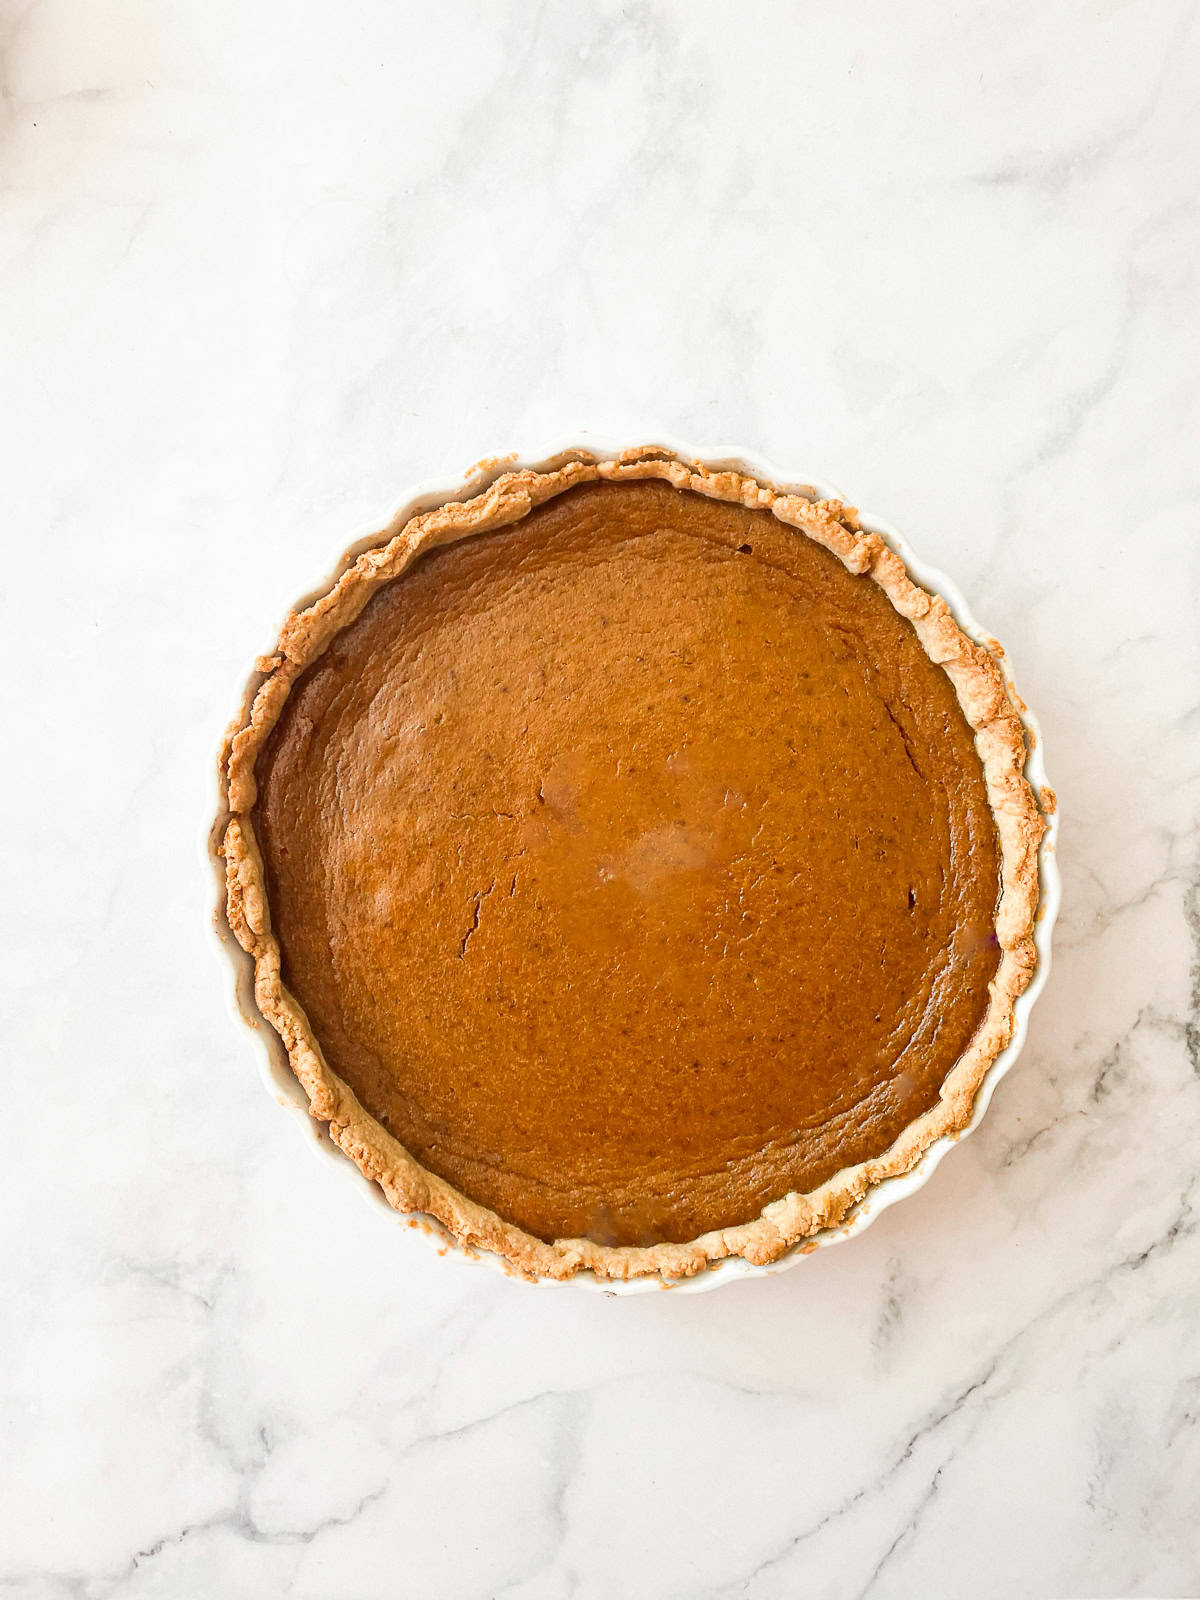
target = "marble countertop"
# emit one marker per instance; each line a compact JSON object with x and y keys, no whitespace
{"x":262,"y":267}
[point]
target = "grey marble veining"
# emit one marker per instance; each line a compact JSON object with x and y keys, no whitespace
{"x":260,"y":269}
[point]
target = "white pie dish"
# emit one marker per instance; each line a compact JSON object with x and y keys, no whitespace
{"x":274,"y":1064}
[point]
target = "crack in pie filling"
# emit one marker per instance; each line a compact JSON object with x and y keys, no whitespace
{"x":636,"y":864}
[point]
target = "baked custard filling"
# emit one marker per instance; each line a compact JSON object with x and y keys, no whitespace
{"x":633,"y":864}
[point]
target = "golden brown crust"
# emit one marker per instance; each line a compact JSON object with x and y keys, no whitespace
{"x":987,"y":704}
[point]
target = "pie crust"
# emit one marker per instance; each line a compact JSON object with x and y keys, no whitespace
{"x":988,"y":707}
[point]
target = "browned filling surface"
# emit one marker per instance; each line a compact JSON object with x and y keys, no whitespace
{"x":633,"y":865}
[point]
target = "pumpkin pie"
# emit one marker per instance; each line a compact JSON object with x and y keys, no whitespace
{"x":636,"y":864}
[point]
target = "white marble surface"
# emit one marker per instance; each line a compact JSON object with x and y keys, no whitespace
{"x":262,"y":266}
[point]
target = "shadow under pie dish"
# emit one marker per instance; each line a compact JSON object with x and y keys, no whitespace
{"x":636,"y":865}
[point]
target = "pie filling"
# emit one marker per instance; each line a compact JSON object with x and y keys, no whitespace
{"x":633,"y":865}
